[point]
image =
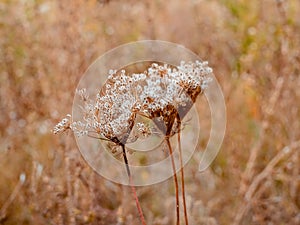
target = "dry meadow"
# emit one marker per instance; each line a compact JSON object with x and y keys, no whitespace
{"x":254,"y":49}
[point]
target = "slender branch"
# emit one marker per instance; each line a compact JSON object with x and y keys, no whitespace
{"x":250,"y":197}
{"x":249,"y":172}
{"x":141,"y":215}
{"x":12,"y":197}
{"x":286,"y":151}
{"x":69,"y":183}
{"x":175,"y":180}
{"x":96,"y":137}
{"x":182,"y":173}
{"x":126,"y":161}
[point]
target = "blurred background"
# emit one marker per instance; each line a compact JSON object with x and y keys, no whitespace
{"x":254,"y":49}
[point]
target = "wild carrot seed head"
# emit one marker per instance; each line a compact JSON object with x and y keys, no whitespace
{"x":160,"y":93}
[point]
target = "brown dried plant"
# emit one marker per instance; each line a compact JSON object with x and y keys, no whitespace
{"x":162,"y":94}
{"x":253,"y":46}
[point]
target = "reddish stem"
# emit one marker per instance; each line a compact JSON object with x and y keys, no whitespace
{"x":133,"y":189}
{"x":182,"y":174}
{"x":137,"y":201}
{"x":175,"y":180}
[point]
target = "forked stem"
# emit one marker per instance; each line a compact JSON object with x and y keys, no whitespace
{"x":137,"y":202}
{"x":182,"y":173}
{"x":175,"y":180}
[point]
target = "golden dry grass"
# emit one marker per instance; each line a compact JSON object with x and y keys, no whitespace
{"x":254,"y":48}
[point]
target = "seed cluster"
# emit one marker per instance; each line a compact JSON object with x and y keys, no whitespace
{"x":162,"y":93}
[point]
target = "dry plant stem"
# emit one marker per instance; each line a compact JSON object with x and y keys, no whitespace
{"x":286,"y":151}
{"x":249,"y":171}
{"x":246,"y":207}
{"x":258,"y":180}
{"x":175,"y":180}
{"x":296,"y":171}
{"x":10,"y":200}
{"x":182,"y":174}
{"x":141,"y":215}
{"x":69,"y":183}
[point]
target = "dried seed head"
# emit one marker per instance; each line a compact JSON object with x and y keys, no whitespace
{"x":63,"y":125}
{"x":162,"y":93}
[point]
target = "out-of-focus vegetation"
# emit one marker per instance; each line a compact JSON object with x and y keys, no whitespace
{"x":254,"y":48}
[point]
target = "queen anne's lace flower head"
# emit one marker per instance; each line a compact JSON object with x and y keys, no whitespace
{"x":162,"y":93}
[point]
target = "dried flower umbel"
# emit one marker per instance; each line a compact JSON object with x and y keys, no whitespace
{"x":159,"y":93}
{"x":163,"y":94}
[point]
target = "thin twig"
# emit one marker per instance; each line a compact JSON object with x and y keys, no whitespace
{"x":69,"y":182}
{"x":12,"y":197}
{"x":69,"y":199}
{"x":141,"y":215}
{"x":182,"y":174}
{"x":249,"y":171}
{"x":295,"y":172}
{"x":245,"y":207}
{"x":285,"y":152}
{"x":175,"y":180}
